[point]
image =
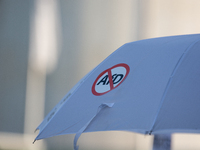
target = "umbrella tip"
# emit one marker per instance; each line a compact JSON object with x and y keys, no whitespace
{"x":35,"y":130}
{"x":34,"y":141}
{"x":150,"y":132}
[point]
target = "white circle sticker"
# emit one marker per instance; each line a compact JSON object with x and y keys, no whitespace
{"x":110,"y":79}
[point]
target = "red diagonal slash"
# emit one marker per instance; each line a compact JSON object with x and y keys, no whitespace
{"x":110,"y":79}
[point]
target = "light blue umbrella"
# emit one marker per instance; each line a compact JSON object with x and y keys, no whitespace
{"x":150,"y":86}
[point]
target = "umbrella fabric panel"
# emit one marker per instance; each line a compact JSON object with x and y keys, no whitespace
{"x":180,"y":110}
{"x":60,"y":104}
{"x":136,"y":101}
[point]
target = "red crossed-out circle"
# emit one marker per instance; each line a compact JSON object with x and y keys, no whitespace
{"x":109,"y":72}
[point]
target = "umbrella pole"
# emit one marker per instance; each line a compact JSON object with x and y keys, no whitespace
{"x":162,"y":142}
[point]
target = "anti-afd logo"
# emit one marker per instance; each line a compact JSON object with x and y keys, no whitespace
{"x":110,"y":79}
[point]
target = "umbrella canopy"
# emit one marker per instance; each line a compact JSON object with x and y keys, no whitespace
{"x":148,"y":86}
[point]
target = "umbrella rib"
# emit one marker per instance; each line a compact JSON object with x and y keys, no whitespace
{"x":169,"y":82}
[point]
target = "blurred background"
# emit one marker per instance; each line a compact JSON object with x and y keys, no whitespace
{"x":47,"y":46}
